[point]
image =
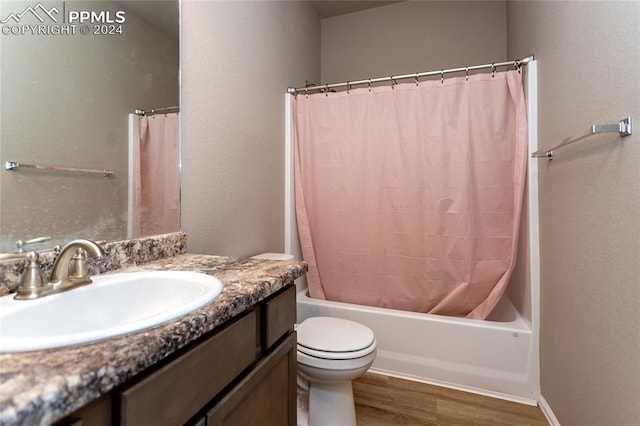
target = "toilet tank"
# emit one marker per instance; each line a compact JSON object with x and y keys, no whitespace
{"x":273,"y":256}
{"x":301,"y":283}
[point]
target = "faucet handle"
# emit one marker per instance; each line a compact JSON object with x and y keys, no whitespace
{"x":78,"y":269}
{"x":13,"y":256}
{"x":21,"y":243}
{"x":31,"y":284}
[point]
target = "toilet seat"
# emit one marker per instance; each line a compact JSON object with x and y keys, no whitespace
{"x":337,"y":355}
{"x":335,"y":338}
{"x":336,"y":365}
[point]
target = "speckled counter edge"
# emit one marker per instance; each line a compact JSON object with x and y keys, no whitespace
{"x":118,"y":254}
{"x":41,"y":387}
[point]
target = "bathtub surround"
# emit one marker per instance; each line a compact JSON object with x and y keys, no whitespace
{"x":41,"y":387}
{"x":388,"y":40}
{"x":518,"y":379}
{"x":409,"y":196}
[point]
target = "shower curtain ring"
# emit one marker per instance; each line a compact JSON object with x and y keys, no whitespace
{"x":326,"y":90}
{"x":369,"y":84}
{"x":348,"y":87}
{"x":493,"y":70}
{"x":442,"y":76}
{"x":393,"y":83}
{"x":153,"y":112}
{"x":417,"y":80}
{"x":306,"y":93}
{"x":466,"y":73}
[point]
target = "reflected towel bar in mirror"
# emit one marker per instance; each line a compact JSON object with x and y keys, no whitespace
{"x":14,"y":165}
{"x":623,"y":128}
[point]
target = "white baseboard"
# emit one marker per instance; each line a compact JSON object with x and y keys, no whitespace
{"x":548,"y":412}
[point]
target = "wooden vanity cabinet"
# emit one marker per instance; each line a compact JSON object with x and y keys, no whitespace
{"x":244,"y":374}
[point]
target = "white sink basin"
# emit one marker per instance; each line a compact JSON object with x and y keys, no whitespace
{"x":112,"y":305}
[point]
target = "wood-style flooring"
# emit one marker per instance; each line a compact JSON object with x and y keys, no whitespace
{"x":389,"y":401}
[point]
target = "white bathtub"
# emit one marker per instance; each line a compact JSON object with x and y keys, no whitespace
{"x":491,"y":357}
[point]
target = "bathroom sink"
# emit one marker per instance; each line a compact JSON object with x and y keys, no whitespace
{"x":112,"y":305}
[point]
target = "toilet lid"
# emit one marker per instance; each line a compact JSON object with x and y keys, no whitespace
{"x":328,"y":334}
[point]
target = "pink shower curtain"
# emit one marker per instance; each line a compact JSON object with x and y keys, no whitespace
{"x":157,"y":180}
{"x":409,"y":197}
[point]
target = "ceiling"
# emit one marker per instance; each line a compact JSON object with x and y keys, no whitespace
{"x":330,"y":8}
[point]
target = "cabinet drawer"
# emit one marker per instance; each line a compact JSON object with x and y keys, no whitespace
{"x":173,"y":394}
{"x":279,"y":316}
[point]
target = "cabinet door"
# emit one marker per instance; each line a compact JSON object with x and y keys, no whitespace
{"x":266,"y":397}
{"x":176,"y":392}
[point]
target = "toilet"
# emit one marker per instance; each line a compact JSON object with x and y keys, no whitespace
{"x":331,"y":353}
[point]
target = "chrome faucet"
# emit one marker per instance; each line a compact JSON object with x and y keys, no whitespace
{"x":69,"y":269}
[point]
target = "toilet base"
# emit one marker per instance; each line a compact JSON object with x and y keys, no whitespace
{"x":302,"y":412}
{"x":332,"y":404}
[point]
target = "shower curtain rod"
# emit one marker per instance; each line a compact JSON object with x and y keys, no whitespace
{"x":142,"y":112}
{"x":518,"y":63}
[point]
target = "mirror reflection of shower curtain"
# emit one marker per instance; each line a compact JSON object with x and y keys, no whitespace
{"x":156,"y":176}
{"x":410,"y":197}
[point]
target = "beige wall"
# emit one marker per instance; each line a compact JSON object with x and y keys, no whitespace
{"x":589,"y":73}
{"x":65,"y":101}
{"x":238,"y":59}
{"x":412,"y":36}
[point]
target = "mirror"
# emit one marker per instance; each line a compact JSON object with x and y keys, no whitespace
{"x":71,"y":72}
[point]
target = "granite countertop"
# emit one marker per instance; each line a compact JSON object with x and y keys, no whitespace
{"x":41,"y":387}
